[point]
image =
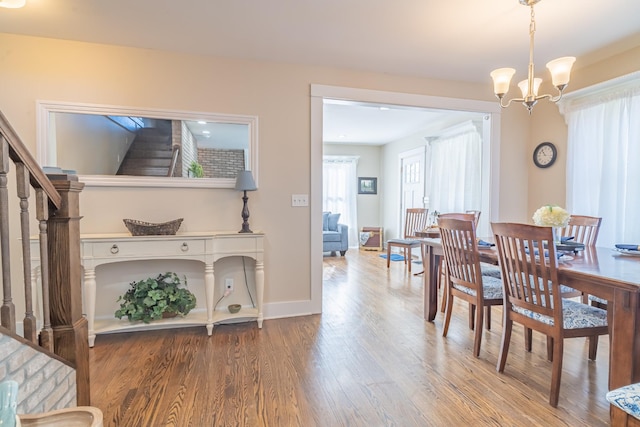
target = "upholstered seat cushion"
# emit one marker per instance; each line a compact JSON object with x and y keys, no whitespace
{"x":626,"y":398}
{"x":491,"y":287}
{"x":405,"y":241}
{"x":575,"y":314}
{"x":490,"y":270}
{"x":331,"y":236}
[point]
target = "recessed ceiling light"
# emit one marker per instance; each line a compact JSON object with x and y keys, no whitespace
{"x":202,"y":122}
{"x":206,"y":132}
{"x":384,"y":108}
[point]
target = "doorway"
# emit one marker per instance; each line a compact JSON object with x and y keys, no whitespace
{"x":320,"y":92}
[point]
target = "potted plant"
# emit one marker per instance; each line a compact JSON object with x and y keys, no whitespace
{"x":196,"y":170}
{"x":155,"y":298}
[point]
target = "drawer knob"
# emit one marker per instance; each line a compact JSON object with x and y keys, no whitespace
{"x":184,"y":247}
{"x":115,"y":249}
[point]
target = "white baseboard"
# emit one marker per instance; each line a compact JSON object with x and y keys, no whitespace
{"x":279,"y":310}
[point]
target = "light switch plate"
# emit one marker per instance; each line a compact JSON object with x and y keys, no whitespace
{"x":299,"y":200}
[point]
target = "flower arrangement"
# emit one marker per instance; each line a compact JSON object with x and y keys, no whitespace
{"x":551,"y":216}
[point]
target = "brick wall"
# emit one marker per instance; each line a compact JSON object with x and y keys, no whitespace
{"x":44,"y":383}
{"x":219,"y":163}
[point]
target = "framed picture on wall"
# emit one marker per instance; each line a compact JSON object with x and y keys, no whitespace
{"x":367,"y":185}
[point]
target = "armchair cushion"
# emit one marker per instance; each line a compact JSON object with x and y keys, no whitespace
{"x":325,"y":221}
{"x":333,"y":221}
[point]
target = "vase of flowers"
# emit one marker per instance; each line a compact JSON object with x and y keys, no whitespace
{"x":552,"y":216}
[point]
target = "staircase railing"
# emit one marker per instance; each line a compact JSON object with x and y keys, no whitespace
{"x":175,"y":153}
{"x":64,"y":331}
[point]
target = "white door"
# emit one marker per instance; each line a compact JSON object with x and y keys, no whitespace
{"x":412,"y":170}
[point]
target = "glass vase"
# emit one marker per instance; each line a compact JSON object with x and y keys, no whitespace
{"x":557,"y":235}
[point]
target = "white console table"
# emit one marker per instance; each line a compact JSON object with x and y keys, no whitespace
{"x":206,"y":247}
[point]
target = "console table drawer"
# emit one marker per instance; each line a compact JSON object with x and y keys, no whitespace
{"x":152,"y":249}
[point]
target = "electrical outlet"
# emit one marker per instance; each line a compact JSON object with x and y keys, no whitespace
{"x":228,"y":284}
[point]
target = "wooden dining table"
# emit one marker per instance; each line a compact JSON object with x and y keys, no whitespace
{"x":598,"y":271}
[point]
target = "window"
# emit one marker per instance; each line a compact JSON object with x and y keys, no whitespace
{"x":603,"y":157}
{"x":339,"y":190}
{"x":455,"y":173}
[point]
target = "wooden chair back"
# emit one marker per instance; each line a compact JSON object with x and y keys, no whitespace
{"x":461,"y":251}
{"x":527,"y":258}
{"x":415,"y":220}
{"x":476,"y":214}
{"x":584,"y":229}
{"x":467,"y":216}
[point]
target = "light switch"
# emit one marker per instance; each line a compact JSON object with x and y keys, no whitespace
{"x":299,"y":200}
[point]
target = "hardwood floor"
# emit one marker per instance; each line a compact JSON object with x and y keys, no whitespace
{"x":369,"y":360}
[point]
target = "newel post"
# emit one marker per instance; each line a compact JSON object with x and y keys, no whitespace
{"x":70,"y":329}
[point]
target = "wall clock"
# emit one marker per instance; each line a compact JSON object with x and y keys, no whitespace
{"x":545,"y":154}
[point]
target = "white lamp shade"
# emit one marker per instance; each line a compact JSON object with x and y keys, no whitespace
{"x":501,"y":80}
{"x":524,"y":87}
{"x":561,"y":70}
{"x":245,"y":182}
{"x":12,"y":4}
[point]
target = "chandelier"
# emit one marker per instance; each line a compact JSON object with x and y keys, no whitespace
{"x":560,"y":74}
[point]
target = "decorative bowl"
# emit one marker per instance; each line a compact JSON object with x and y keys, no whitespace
{"x":142,"y":228}
{"x":234,"y":308}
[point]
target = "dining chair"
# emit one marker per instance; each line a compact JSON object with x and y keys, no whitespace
{"x":584,"y":229}
{"x":464,"y":277}
{"x":486,"y":268}
{"x":415,"y":220}
{"x":476,"y":215}
{"x":532,"y":297}
{"x":442,"y":273}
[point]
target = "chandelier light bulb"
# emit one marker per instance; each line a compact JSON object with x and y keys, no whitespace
{"x":502,"y":79}
{"x":560,"y":70}
{"x":524,"y":87}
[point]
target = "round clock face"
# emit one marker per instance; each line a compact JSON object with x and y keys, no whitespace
{"x":545,"y":154}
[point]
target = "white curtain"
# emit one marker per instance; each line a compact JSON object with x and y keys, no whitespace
{"x":339,"y":191}
{"x":454,"y":182}
{"x":603,"y":162}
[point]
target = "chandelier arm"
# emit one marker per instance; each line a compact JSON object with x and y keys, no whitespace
{"x":503,"y":105}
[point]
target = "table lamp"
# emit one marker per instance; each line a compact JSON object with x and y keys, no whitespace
{"x":245,"y":182}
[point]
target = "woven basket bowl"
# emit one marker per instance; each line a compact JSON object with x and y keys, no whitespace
{"x":142,"y":228}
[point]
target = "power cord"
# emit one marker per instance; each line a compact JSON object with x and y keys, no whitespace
{"x":246,"y":282}
{"x":227,"y":292}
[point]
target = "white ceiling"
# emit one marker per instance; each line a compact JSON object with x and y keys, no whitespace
{"x":453,"y":39}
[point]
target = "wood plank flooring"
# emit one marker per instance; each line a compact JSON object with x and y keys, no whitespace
{"x":369,"y":360}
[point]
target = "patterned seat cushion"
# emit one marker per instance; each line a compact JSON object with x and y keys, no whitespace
{"x":576,"y":315}
{"x":491,"y":287}
{"x":626,"y":398}
{"x":564,"y":289}
{"x":490,"y":270}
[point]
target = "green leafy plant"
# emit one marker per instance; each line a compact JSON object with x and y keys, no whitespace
{"x":196,"y":169}
{"x":149,"y":299}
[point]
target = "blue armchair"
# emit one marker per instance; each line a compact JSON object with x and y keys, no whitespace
{"x":335,"y":237}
